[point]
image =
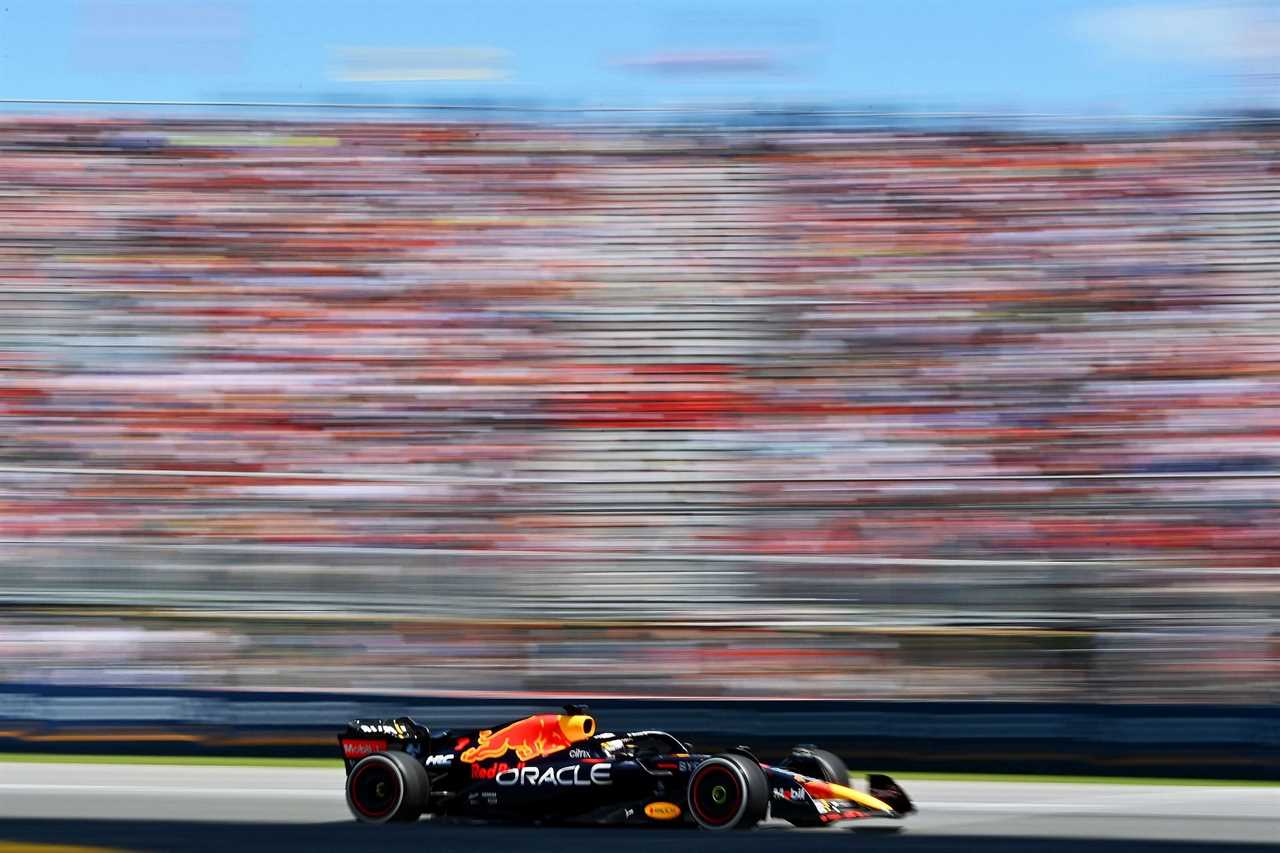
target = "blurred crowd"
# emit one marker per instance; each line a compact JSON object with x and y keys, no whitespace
{"x":750,"y":379}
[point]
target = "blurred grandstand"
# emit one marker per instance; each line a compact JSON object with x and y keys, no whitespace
{"x":473,"y":406}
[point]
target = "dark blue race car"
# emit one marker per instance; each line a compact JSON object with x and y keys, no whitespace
{"x":557,"y":767}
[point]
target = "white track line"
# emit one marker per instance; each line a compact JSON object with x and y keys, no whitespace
{"x":289,"y":793}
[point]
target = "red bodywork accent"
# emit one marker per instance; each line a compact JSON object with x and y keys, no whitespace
{"x":359,"y":748}
{"x":478,"y":772}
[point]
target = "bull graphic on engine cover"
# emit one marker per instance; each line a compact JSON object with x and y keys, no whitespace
{"x":533,"y":737}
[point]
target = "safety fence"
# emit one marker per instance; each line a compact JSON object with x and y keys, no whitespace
{"x":1239,"y":742}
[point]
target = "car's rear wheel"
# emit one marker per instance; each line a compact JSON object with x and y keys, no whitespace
{"x":728,"y":791}
{"x":387,"y":786}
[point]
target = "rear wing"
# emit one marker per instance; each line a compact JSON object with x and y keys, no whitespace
{"x":365,"y":737}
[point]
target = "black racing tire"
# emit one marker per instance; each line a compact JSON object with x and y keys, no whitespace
{"x":387,"y":786}
{"x":728,"y":791}
{"x":832,"y":766}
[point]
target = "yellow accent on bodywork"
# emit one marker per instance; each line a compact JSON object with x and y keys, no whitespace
{"x":834,"y":791}
{"x":578,"y":727}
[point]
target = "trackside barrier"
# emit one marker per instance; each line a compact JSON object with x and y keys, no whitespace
{"x":1212,"y":741}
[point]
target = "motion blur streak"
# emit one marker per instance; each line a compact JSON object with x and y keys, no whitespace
{"x":593,"y":407}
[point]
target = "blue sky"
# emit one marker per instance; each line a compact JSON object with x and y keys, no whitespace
{"x":1023,"y":55}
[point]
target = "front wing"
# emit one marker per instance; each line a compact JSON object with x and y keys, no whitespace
{"x":805,"y":801}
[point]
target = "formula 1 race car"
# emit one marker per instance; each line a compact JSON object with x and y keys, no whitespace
{"x":557,"y":768}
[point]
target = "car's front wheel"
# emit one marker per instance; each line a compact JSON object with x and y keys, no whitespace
{"x":387,"y":786}
{"x":728,"y":791}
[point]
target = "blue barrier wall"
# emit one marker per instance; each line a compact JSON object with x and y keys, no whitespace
{"x":1241,"y":742}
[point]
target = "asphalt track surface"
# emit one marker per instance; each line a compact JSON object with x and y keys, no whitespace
{"x":250,"y":809}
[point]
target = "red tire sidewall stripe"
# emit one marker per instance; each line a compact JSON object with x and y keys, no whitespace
{"x":355,"y":778}
{"x":693,"y":791}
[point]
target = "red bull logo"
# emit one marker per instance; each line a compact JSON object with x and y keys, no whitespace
{"x":478,"y":772}
{"x":530,"y":738}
